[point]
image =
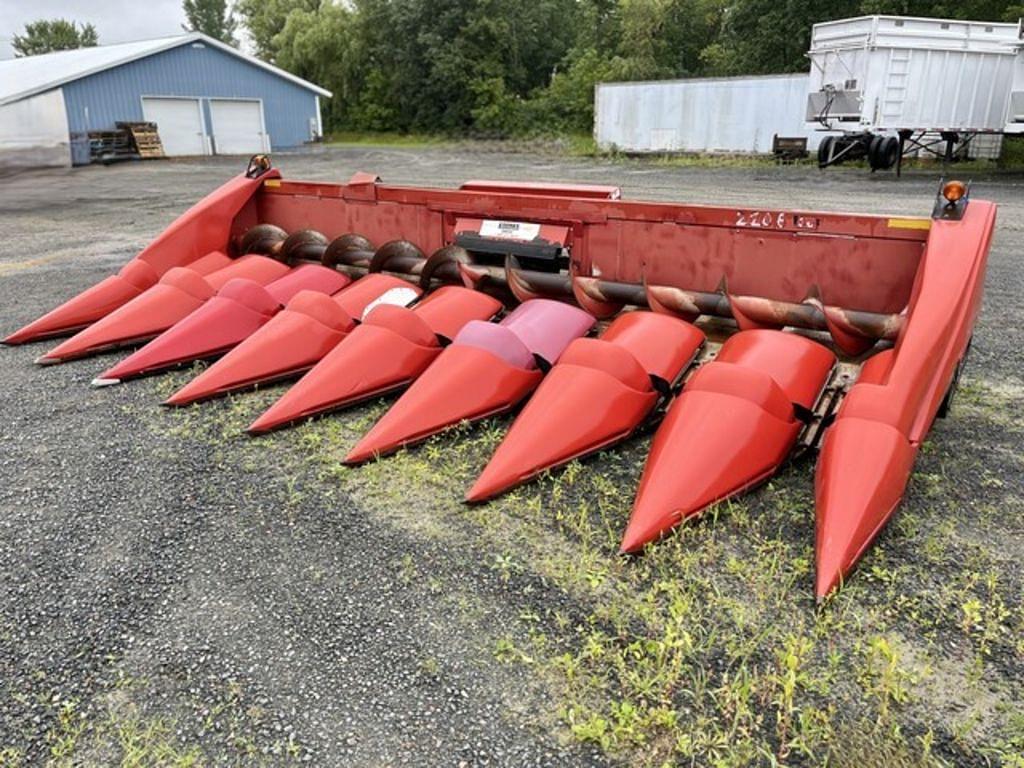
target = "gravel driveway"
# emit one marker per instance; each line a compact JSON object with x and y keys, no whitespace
{"x":172,"y":591}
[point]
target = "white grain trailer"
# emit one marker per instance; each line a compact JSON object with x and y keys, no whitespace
{"x":896,"y":85}
{"x":1015,"y":119}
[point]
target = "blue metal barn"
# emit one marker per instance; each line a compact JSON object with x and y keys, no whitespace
{"x":205,"y":97}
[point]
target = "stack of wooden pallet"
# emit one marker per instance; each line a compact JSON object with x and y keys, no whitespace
{"x":131,"y":141}
{"x":146,"y":138}
{"x":109,"y":146}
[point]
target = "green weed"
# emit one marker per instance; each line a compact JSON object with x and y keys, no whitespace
{"x":708,"y":649}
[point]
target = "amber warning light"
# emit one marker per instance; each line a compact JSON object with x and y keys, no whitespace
{"x":954,"y":191}
{"x":951,"y":202}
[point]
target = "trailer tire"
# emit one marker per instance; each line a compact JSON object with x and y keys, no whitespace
{"x":888,"y":152}
{"x":825,"y":150}
{"x":874,"y":156}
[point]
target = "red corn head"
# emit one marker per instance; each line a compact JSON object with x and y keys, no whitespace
{"x":735,"y":422}
{"x":201,"y":231}
{"x":863,"y":469}
{"x":91,"y":304}
{"x":179,"y":293}
{"x":309,"y":327}
{"x":488,"y":369}
{"x":600,"y":391}
{"x":392,"y":347}
{"x":237,"y":311}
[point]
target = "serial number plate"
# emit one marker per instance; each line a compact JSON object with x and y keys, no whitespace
{"x":774,"y":220}
{"x":513,"y":230}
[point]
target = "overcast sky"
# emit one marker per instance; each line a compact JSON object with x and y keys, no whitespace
{"x":116,"y":21}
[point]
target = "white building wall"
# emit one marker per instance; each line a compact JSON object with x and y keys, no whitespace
{"x":721,"y":114}
{"x":34,"y":132}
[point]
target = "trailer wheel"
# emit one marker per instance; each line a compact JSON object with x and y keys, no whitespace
{"x":888,"y":152}
{"x":825,"y":150}
{"x":874,"y":156}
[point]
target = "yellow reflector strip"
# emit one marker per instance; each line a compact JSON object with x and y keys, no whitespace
{"x":910,"y":223}
{"x":277,"y":183}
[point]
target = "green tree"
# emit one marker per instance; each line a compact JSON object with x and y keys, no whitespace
{"x":321,"y":45}
{"x":265,"y":19}
{"x":48,"y":35}
{"x":567,"y":102}
{"x":212,"y":18}
{"x":769,"y":36}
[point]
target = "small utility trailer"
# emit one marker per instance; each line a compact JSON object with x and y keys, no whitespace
{"x":896,"y":85}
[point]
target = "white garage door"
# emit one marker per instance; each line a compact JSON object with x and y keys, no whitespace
{"x":238,"y":127}
{"x":179,"y":122}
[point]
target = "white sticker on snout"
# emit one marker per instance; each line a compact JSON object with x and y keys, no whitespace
{"x":401,"y":297}
{"x":514,"y":230}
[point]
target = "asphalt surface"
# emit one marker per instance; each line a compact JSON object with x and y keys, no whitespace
{"x":152,"y":574}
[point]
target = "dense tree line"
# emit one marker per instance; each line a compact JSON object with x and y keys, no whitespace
{"x":498,"y":67}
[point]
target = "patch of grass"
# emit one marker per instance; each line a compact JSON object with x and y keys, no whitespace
{"x":584,"y":145}
{"x":709,"y":649}
{"x":430,"y":666}
{"x":715,"y":160}
{"x":144,"y":743}
{"x":1012,"y":155}
{"x":383,"y":139}
{"x":122,"y":737}
{"x":1010,"y":745}
{"x":64,"y":737}
{"x":128,"y":723}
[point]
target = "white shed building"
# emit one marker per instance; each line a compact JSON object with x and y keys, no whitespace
{"x":205,"y":97}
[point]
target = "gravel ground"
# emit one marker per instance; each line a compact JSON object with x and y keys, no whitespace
{"x":209,"y":600}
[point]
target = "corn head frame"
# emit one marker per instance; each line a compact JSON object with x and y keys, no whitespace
{"x":749,"y":336}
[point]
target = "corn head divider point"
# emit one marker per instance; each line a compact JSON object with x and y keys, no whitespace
{"x":751,"y":335}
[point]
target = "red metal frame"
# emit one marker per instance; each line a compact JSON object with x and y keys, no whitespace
{"x":857,"y":261}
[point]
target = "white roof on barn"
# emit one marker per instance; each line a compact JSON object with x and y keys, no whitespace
{"x":29,"y":75}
